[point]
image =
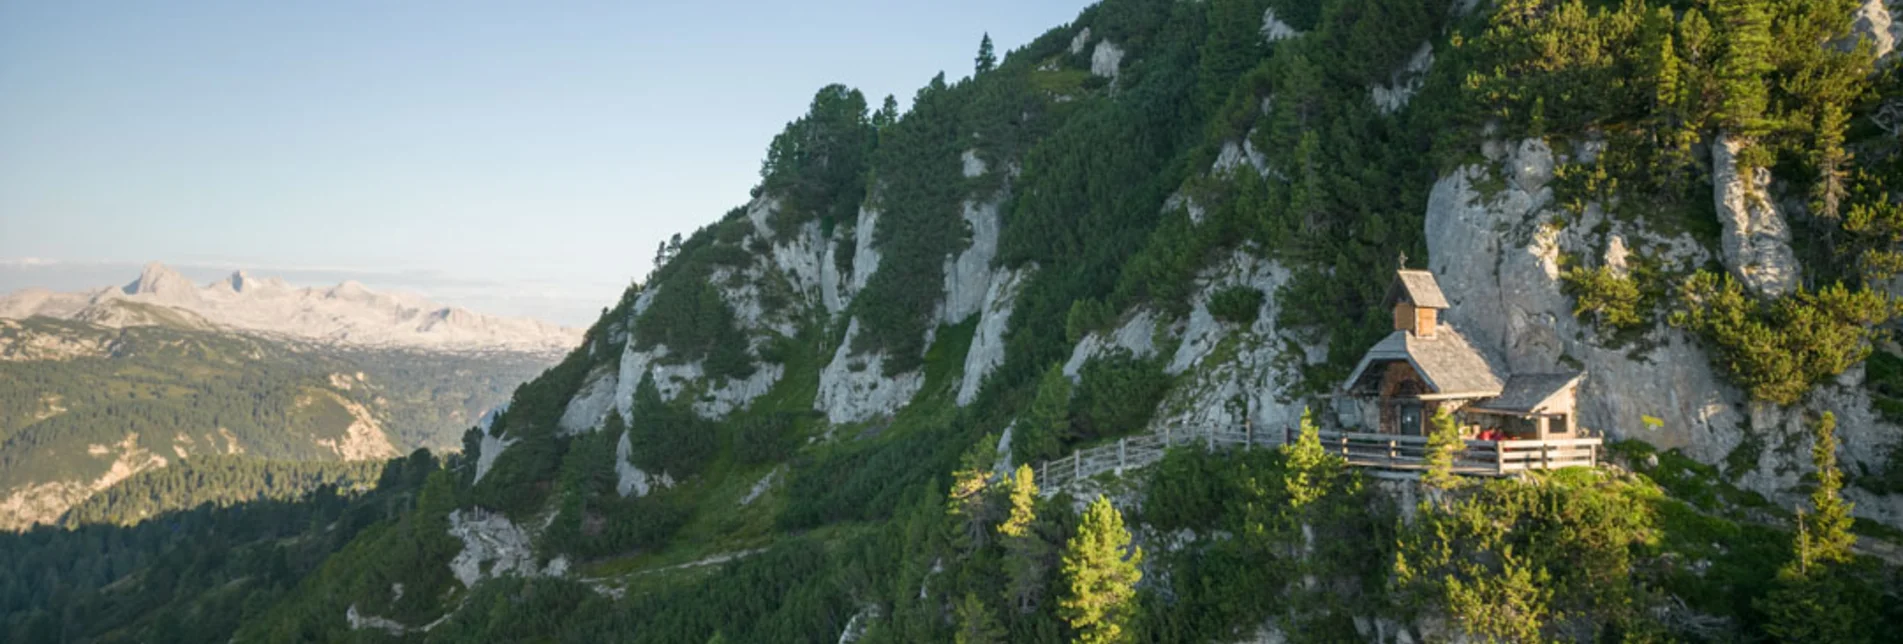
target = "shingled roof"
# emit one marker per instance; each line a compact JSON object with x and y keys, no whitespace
{"x":1450,"y":365}
{"x":1529,"y":393}
{"x":1418,"y":287}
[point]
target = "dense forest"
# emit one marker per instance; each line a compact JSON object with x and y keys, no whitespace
{"x":1128,"y":152}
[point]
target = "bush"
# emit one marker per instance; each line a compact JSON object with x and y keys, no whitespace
{"x":764,"y":440}
{"x":1117,"y":395}
{"x":1778,"y":349}
{"x":1237,"y":304}
{"x":1611,"y":299}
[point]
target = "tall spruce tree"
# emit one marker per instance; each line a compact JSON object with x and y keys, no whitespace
{"x":1102,"y":578}
{"x":1817,"y":597}
{"x":986,"y":59}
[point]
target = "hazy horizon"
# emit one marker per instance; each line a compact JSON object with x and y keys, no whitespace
{"x":509,"y":160}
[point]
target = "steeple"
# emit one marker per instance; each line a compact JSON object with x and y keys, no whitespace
{"x":1417,"y":301}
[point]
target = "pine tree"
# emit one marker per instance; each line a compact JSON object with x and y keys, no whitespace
{"x":888,"y":113}
{"x":1830,"y":158}
{"x":976,"y":623}
{"x":1442,"y":446}
{"x":1306,"y":460}
{"x":1829,"y":533}
{"x":968,"y":501}
{"x":1023,"y":503}
{"x":1041,"y":433}
{"x":986,"y":59}
{"x":1817,"y":597}
{"x":1745,"y":26}
{"x":1102,"y":579}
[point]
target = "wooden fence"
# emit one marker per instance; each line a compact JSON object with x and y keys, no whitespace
{"x":1383,"y":451}
{"x":1138,"y":451}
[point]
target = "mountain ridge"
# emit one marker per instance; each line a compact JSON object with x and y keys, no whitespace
{"x":348,"y":314}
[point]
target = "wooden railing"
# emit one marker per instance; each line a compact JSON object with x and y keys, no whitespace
{"x":1487,"y":458}
{"x":1383,"y":451}
{"x":1138,"y":451}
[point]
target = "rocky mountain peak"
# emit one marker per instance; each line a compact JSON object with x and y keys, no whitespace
{"x":159,"y":279}
{"x":348,"y":313}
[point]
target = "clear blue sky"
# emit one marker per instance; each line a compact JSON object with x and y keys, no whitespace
{"x":540,"y":148}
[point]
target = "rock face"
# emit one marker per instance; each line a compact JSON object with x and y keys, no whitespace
{"x":1078,"y":42}
{"x":630,"y":480}
{"x":493,"y":547}
{"x":1234,"y":154}
{"x":865,"y":257}
{"x":347,"y":314}
{"x":1757,"y":243}
{"x":968,"y":274}
{"x":1106,"y":60}
{"x":1873,"y":22}
{"x":1136,"y":335}
{"x":1233,"y":375}
{"x":1273,"y":29}
{"x":856,"y":389}
{"x":987,"y":344}
{"x":1405,"y":82}
{"x":590,"y":406}
{"x":1497,"y":260}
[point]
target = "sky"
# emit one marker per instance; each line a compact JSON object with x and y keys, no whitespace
{"x":515,"y":158}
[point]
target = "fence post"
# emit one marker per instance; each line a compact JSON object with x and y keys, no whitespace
{"x":1499,"y":457}
{"x":1044,"y":472}
{"x":1393,"y":457}
{"x":1077,"y":465}
{"x":1120,"y":455}
{"x":1166,"y":436}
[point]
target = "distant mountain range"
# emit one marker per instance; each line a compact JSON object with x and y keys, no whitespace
{"x":348,"y":314}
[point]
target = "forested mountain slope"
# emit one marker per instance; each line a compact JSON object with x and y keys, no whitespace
{"x":84,"y":407}
{"x":1185,"y":215}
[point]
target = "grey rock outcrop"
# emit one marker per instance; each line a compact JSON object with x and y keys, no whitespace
{"x":1136,"y":335}
{"x":865,"y":257}
{"x":493,"y":547}
{"x":1106,"y":60}
{"x":968,"y":274}
{"x":1873,"y":21}
{"x":1252,"y":382}
{"x":987,"y":343}
{"x":1273,"y":29}
{"x":589,"y":407}
{"x":631,"y":480}
{"x":1756,"y":241}
{"x":1497,"y":259}
{"x":1405,"y":82}
{"x":855,"y":388}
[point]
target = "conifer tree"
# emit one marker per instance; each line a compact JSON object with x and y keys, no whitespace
{"x":986,"y":59}
{"x":1102,"y":579}
{"x":968,"y":501}
{"x":1041,"y":433}
{"x":1745,"y":26}
{"x":976,"y":623}
{"x":1817,"y":597}
{"x":888,"y":113}
{"x":1027,"y":553}
{"x":1305,"y":458}
{"x":1442,"y":446}
{"x":1023,"y":503}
